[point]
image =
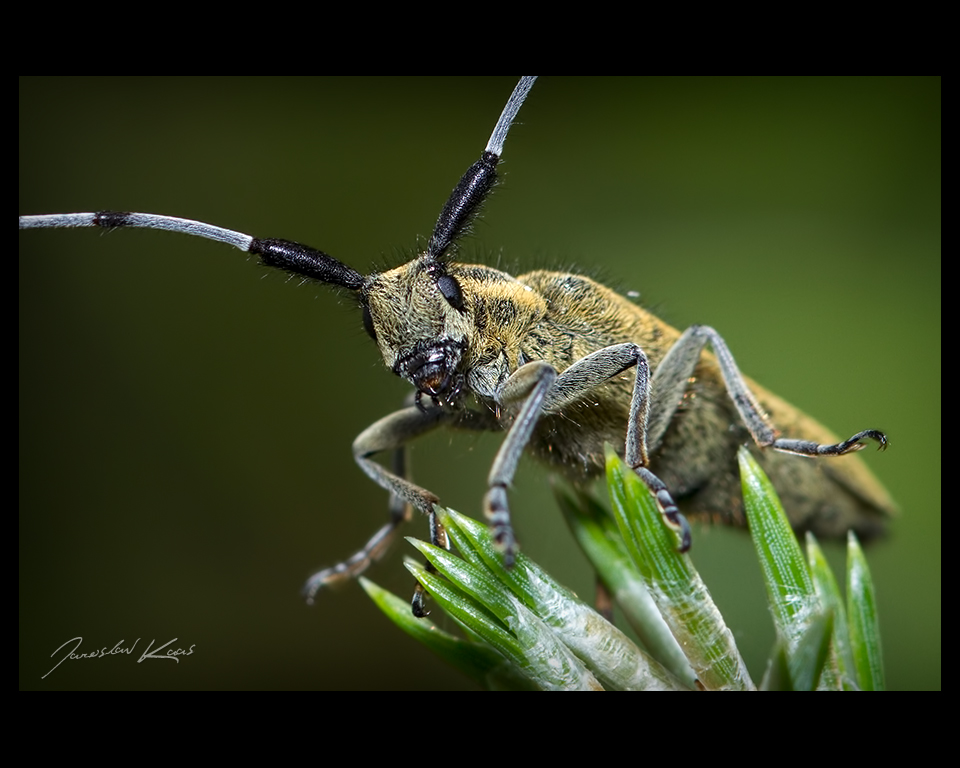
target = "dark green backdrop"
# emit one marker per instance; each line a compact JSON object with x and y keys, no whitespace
{"x":185,"y":420}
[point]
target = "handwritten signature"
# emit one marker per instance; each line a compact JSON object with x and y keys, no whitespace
{"x":172,"y":654}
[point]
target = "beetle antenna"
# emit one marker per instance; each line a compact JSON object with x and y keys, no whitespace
{"x":502,"y":128}
{"x":302,"y":260}
{"x":292,"y":257}
{"x":474,"y":186}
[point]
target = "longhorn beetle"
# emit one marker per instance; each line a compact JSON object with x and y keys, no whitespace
{"x":552,"y":359}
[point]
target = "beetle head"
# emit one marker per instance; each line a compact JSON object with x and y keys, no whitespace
{"x":417,"y":315}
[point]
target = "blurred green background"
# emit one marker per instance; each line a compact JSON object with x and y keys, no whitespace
{"x":185,"y":419}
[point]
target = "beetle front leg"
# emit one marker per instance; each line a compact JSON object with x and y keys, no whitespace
{"x":393,"y":433}
{"x":390,"y":433}
{"x":528,"y":384}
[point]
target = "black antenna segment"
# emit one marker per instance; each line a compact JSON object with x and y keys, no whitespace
{"x":474,"y":186}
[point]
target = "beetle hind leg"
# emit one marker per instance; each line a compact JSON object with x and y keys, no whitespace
{"x":850,"y":445}
{"x":670,"y":382}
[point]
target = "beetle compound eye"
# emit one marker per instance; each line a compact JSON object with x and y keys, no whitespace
{"x":450,"y":288}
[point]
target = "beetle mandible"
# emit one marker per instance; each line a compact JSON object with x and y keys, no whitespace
{"x":552,"y":358}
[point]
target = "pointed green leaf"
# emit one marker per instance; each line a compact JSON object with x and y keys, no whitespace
{"x":550,"y":635}
{"x":525,"y":640}
{"x":673,"y":582}
{"x":600,"y":540}
{"x":793,"y":600}
{"x":827,"y":589}
{"x":789,"y":586}
{"x":777,"y":675}
{"x":478,"y":661}
{"x":864,"y":623}
{"x":808,"y":660}
{"x":615,"y":659}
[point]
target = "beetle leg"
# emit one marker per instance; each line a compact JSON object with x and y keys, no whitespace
{"x":545,"y":390}
{"x":393,"y":433}
{"x":529,"y":384}
{"x":592,"y":371}
{"x":389,"y":433}
{"x":636,"y":453}
{"x":670,"y":381}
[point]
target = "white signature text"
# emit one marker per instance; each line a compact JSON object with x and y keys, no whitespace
{"x":172,"y":654}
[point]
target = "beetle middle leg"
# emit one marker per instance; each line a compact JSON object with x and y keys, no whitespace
{"x":541,"y":390}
